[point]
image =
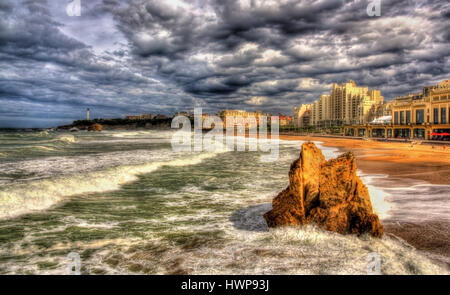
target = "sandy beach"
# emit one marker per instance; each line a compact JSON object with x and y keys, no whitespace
{"x":405,"y":164}
{"x":396,"y":159}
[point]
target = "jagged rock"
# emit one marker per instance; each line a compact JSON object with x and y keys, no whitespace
{"x":326,"y":193}
{"x":289,"y":206}
{"x":95,"y":127}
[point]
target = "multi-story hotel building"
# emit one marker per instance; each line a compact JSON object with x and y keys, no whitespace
{"x":425,"y":115}
{"x":346,"y":104}
{"x":302,"y":115}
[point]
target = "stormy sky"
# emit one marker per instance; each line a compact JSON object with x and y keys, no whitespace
{"x":126,"y":57}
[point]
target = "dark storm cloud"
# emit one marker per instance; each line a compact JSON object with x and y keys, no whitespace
{"x":162,"y":56}
{"x":46,"y":72}
{"x":326,"y":40}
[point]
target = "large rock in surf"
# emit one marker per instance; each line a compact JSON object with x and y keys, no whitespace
{"x":95,"y":127}
{"x":326,"y":193}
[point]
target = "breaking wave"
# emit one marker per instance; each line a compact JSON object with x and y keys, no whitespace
{"x":18,"y":199}
{"x":65,"y":138}
{"x":43,"y":148}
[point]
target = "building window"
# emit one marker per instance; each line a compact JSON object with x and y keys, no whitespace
{"x":378,"y":132}
{"x":443,"y":116}
{"x":436,"y":116}
{"x":420,"y":116}
{"x":419,"y":133}
{"x":408,"y":117}
{"x":402,"y":133}
{"x":396,"y":118}
{"x":402,"y":117}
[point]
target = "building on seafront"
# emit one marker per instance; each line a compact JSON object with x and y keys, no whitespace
{"x":183,"y":114}
{"x":132,"y":117}
{"x":140,"y":117}
{"x":345,"y":104}
{"x":302,"y":115}
{"x":424,"y":115}
{"x":146,"y":116}
{"x":285,"y":120}
{"x":237,"y":115}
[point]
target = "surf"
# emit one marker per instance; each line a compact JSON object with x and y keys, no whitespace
{"x":21,"y":198}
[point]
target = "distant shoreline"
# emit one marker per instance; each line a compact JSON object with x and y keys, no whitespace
{"x":120,"y":124}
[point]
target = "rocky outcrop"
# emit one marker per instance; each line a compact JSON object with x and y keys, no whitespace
{"x":291,"y":205}
{"x":326,"y":193}
{"x":95,"y":127}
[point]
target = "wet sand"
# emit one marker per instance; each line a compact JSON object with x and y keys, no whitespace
{"x":432,"y":237}
{"x":407,"y":164}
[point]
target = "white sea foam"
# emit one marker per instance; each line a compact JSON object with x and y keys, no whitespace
{"x":43,"y":133}
{"x":43,"y":148}
{"x":299,"y":250}
{"x":129,"y":134}
{"x":379,"y":197}
{"x":67,"y":138}
{"x":18,"y":199}
{"x":57,"y":165}
{"x":140,"y":134}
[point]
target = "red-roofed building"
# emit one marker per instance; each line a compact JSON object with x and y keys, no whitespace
{"x":285,"y":120}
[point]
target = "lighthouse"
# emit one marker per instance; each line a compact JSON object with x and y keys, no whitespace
{"x":88,"y":114}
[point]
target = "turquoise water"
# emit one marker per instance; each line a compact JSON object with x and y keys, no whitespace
{"x":127,"y":203}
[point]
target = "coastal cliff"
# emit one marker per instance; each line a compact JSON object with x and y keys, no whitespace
{"x":326,"y":193}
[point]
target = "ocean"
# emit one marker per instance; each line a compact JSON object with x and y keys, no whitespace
{"x":127,"y":203}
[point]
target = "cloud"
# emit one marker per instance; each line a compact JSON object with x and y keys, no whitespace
{"x":137,"y":56}
{"x":256,"y":100}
